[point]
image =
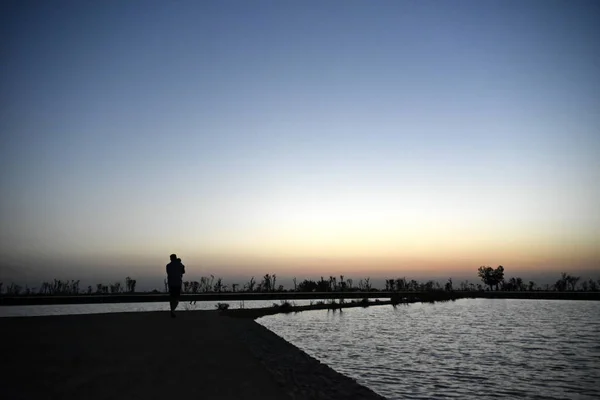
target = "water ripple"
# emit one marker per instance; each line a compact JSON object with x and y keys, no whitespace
{"x":469,"y":349}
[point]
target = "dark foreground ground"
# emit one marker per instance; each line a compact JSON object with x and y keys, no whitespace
{"x":198,"y":355}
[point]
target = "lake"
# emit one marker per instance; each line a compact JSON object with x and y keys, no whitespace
{"x":467,"y":349}
{"x":100,"y":308}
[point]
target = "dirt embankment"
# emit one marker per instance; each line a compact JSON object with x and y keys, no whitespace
{"x":151,"y":356}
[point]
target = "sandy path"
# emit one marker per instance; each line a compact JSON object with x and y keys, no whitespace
{"x":133,"y":355}
{"x":198,"y":355}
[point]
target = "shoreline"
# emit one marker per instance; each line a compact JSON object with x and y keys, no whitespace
{"x":223,"y":297}
{"x":149,"y":355}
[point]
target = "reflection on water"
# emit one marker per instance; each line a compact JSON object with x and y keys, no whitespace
{"x":471,"y":348}
{"x":70,"y":309}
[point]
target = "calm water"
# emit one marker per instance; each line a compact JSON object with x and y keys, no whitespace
{"x":69,"y":309}
{"x":468,"y":349}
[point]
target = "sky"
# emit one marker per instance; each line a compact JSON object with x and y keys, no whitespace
{"x":303,"y":138}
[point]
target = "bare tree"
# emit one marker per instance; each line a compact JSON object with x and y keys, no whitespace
{"x":251,"y":283}
{"x":266,"y":283}
{"x":573,"y":281}
{"x":219,"y":285}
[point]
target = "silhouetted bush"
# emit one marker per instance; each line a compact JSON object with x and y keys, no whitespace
{"x":285,"y":307}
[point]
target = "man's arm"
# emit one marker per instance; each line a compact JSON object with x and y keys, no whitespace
{"x":182,"y":269}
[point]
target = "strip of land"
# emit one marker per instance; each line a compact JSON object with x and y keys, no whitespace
{"x":199,"y":354}
{"x":245,"y":296}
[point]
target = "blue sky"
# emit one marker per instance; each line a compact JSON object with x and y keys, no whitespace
{"x":433,"y":135}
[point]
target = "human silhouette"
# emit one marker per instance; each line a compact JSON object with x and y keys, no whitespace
{"x":175,"y":271}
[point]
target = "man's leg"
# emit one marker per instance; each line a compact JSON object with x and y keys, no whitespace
{"x":172,"y":300}
{"x":174,"y":292}
{"x":177,"y":295}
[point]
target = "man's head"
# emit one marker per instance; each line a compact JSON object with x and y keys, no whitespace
{"x":173,"y":257}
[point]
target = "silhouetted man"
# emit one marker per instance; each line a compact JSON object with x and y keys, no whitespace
{"x":175,"y":271}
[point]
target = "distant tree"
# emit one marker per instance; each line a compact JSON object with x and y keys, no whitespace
{"x":562,"y":284}
{"x":75,"y":286}
{"x":266,"y":283}
{"x":367,"y":284}
{"x":427,"y":286}
{"x":593,"y":285}
{"x":218,"y":285}
{"x":13,"y":289}
{"x":490,"y":276}
{"x":332,"y":283}
{"x":487,"y":276}
{"x":520,"y":284}
{"x":250,"y":285}
{"x":130,"y":285}
{"x":514,"y":284}
{"x":322,"y":285}
{"x":234,"y":287}
{"x":531,"y":285}
{"x":295,"y":285}
{"x":573,"y":281}
{"x":115,"y":288}
{"x":307,"y":286}
{"x":390,"y":285}
{"x":204,"y":285}
{"x":448,"y":285}
{"x":499,"y":275}
{"x":401,"y":284}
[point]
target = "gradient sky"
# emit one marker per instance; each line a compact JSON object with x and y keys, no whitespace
{"x":303,"y":137}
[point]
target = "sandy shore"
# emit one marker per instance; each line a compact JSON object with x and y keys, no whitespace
{"x":151,"y":356}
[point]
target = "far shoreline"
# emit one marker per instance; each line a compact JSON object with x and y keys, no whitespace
{"x":244,"y":296}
